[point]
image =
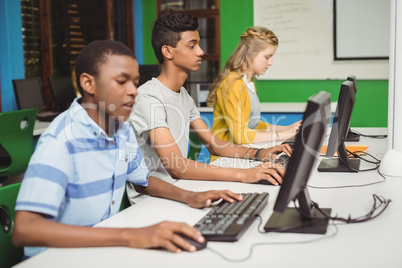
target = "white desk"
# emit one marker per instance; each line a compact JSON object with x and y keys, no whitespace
{"x":40,"y":127}
{"x":377,"y":243}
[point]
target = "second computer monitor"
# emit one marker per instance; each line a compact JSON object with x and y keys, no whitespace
{"x":340,"y":127}
{"x":351,"y":136}
{"x":63,"y":91}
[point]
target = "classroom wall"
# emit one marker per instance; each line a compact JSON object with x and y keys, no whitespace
{"x":236,"y":16}
{"x":11,"y":51}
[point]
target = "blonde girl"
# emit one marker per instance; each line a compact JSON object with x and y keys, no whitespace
{"x":236,"y":116}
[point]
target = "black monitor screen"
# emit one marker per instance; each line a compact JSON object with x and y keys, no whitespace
{"x":339,"y":131}
{"x":28,"y":93}
{"x":307,"y":147}
{"x":63,"y":91}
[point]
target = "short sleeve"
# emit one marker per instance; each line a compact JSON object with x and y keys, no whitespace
{"x":46,"y":179}
{"x":194,"y":113}
{"x":137,"y":172}
{"x":148,"y":113}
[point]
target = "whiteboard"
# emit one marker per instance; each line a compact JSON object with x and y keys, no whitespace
{"x":366,"y":35}
{"x":306,"y":42}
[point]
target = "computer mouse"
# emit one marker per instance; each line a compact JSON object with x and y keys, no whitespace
{"x":198,"y":246}
{"x":267,"y":182}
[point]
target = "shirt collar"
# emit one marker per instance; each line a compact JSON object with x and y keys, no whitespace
{"x":78,"y":114}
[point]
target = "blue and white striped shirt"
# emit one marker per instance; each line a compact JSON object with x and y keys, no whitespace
{"x":77,"y":173}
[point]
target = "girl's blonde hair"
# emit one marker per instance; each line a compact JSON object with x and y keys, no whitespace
{"x":253,"y":41}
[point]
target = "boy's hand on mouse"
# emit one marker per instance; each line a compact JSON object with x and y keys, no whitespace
{"x":204,"y":199}
{"x":164,"y":235}
{"x":266,"y":171}
{"x":272,"y":152}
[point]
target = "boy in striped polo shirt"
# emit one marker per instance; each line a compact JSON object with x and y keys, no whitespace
{"x":77,"y":175}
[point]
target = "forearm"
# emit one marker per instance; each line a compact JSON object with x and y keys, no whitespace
{"x":160,"y":188}
{"x":184,"y":168}
{"x":32,"y":229}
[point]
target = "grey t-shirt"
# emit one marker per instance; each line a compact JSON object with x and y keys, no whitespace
{"x":158,"y":106}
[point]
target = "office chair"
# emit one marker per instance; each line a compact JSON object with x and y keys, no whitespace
{"x":9,"y":255}
{"x":16,"y":141}
{"x":63,"y":91}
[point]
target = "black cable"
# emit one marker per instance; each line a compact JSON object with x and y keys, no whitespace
{"x":369,"y":216}
{"x":356,"y":155}
{"x":368,"y":136}
{"x":376,"y":162}
{"x":272,"y":243}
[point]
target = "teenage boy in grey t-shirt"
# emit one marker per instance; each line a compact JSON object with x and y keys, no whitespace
{"x":162,"y":120}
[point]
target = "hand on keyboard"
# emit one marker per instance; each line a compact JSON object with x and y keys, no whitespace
{"x":266,"y":171}
{"x":204,"y":199}
{"x":283,"y":160}
{"x":228,"y":221}
{"x":271,"y":152}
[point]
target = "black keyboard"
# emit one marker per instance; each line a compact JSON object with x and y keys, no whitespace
{"x":283,"y":159}
{"x":228,"y":221}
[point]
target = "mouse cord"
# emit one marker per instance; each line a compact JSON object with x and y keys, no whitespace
{"x":251,"y":249}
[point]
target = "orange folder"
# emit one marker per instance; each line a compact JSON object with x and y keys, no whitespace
{"x":353,"y":148}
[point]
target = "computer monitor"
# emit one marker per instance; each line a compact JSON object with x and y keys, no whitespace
{"x":63,"y":91}
{"x":340,"y":127}
{"x":304,"y":218}
{"x":352,"y":136}
{"x":29,"y":93}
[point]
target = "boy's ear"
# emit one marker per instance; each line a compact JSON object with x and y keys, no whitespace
{"x":87,"y":83}
{"x":166,"y":52}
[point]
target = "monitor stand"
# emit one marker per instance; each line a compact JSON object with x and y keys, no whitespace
{"x":303,"y":220}
{"x":291,"y":222}
{"x":343,"y":163}
{"x":336,"y":165}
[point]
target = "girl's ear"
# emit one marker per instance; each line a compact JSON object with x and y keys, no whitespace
{"x":166,"y":52}
{"x":88,"y":83}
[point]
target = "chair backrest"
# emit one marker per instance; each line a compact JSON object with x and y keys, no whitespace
{"x":63,"y":91}
{"x":29,"y":93}
{"x":16,"y":137}
{"x":9,"y":255}
{"x":195,"y":147}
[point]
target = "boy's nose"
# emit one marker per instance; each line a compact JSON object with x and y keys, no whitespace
{"x":132,"y":89}
{"x":200,"y":52}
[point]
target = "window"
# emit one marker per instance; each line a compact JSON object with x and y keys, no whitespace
{"x":54,"y":32}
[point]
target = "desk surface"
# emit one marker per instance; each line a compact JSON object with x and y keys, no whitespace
{"x":376,"y":243}
{"x":40,"y":127}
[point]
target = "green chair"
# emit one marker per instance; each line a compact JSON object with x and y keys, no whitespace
{"x":195,"y":147}
{"x":125,"y":203}
{"x":9,"y":255}
{"x":16,"y":141}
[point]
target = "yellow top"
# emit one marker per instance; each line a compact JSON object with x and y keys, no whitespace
{"x":232,"y":113}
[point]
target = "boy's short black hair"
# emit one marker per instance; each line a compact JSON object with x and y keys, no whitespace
{"x":167,"y":29}
{"x":95,"y":54}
